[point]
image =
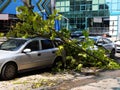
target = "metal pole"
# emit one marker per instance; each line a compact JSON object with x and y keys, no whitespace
{"x":86,"y":22}
{"x":67,"y":21}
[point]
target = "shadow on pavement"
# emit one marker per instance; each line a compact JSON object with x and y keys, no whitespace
{"x":33,"y":72}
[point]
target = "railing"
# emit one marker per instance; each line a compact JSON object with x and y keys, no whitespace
{"x":98,"y":30}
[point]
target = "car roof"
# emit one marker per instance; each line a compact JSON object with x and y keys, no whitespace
{"x":34,"y":38}
{"x":91,"y":37}
{"x":95,"y":38}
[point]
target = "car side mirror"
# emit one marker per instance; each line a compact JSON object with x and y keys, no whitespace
{"x":99,"y":44}
{"x":26,"y":50}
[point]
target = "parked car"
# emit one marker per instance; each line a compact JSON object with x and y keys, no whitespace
{"x":117,"y":43}
{"x":106,"y":34}
{"x":20,"y":54}
{"x":104,"y":42}
{"x":76,"y":34}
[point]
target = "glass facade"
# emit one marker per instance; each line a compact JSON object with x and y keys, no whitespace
{"x":98,"y":16}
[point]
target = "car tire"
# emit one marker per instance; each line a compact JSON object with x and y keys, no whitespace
{"x":112,"y":54}
{"x":9,"y":71}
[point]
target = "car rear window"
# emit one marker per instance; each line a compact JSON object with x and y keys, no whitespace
{"x":46,"y":44}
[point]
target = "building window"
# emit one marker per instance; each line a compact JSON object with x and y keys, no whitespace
{"x":101,"y":6}
{"x":106,"y":6}
{"x":102,"y":13}
{"x":88,"y":7}
{"x":67,"y":3}
{"x":101,"y":1}
{"x":58,"y":4}
{"x":95,"y":2}
{"x":114,"y":6}
{"x":62,"y":3}
{"x":82,"y":7}
{"x":63,"y":6}
{"x":118,"y":6}
{"x":114,"y":1}
{"x":108,"y":1}
{"x":95,"y":13}
{"x":95,"y":7}
{"x":62,"y":9}
{"x":67,"y":9}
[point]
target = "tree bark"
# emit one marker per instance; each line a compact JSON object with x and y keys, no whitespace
{"x":27,"y":3}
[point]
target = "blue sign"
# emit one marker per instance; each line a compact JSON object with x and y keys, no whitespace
{"x":9,"y":6}
{"x":44,"y":15}
{"x":57,"y":25}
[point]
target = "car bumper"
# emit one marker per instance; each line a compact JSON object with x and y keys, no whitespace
{"x":118,"y":49}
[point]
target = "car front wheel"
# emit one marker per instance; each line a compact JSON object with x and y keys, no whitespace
{"x":9,"y":71}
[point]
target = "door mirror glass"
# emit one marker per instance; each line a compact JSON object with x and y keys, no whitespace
{"x":99,"y":44}
{"x":26,"y":50}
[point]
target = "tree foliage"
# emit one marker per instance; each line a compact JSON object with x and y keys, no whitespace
{"x":31,"y":24}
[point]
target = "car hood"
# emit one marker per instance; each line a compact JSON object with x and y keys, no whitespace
{"x":6,"y":54}
{"x":117,"y":43}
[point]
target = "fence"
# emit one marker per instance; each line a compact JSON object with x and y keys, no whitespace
{"x":98,"y":30}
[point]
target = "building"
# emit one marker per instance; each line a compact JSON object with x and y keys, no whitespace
{"x":8,"y":10}
{"x":99,"y":16}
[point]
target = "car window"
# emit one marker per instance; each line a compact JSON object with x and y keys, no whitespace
{"x":46,"y":44}
{"x":100,"y":41}
{"x":57,"y":43}
{"x":91,"y":38}
{"x":81,"y":39}
{"x":76,"y":32}
{"x":106,"y":41}
{"x":12,"y":44}
{"x":34,"y":45}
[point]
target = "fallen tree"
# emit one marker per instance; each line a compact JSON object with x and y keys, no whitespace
{"x":31,"y":24}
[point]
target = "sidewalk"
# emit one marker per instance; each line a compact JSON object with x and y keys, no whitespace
{"x":108,"y":80}
{"x":105,"y":84}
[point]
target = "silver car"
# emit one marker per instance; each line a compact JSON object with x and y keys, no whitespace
{"x":117,"y":43}
{"x":19,"y":54}
{"x":104,"y":42}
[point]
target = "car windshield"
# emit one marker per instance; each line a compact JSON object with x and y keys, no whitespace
{"x":92,"y":38}
{"x":12,"y":44}
{"x":77,"y":32}
{"x":83,"y":39}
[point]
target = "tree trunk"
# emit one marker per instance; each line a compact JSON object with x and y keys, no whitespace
{"x":27,"y":3}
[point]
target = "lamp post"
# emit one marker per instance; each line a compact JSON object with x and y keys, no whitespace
{"x":86,"y":19}
{"x":67,"y":21}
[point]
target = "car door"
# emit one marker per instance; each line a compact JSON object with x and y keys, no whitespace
{"x":48,"y":52}
{"x":30,"y":59}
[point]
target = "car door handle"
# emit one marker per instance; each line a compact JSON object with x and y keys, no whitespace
{"x":39,"y":54}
